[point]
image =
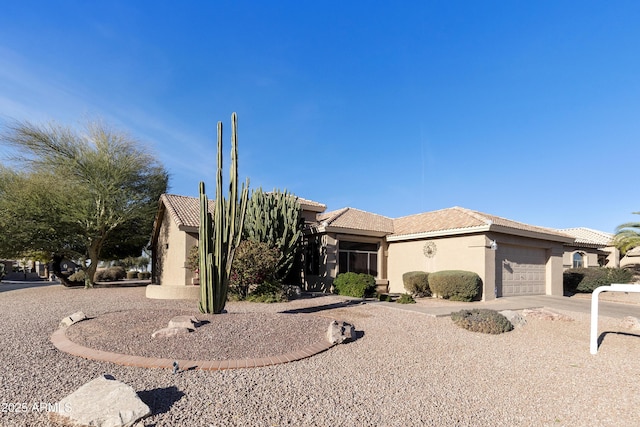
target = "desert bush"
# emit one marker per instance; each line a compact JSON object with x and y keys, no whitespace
{"x":588,"y":279}
{"x":355,"y":284}
{"x":417,"y":283}
{"x":482,"y":320}
{"x":253,"y":264}
{"x":405,"y":299}
{"x":132,"y":274}
{"x":110,"y":274}
{"x":456,"y":285}
{"x":143,"y":275}
{"x":384,"y":297}
{"x":193,"y":259}
{"x":268,"y":292}
{"x":78,"y":276}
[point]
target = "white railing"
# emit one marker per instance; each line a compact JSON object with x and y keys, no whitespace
{"x":615,"y":287}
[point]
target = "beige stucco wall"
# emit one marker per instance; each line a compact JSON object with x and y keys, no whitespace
{"x":452,"y":253}
{"x":471,"y":254}
{"x":172,"y":250}
{"x":590,"y":258}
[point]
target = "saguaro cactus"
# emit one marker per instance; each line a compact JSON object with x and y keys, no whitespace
{"x":220,"y":233}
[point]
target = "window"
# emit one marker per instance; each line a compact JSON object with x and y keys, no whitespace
{"x":578,"y":260}
{"x":355,"y":257}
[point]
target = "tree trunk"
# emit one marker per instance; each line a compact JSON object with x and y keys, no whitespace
{"x":94,"y":253}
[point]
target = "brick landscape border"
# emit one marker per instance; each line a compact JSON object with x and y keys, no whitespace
{"x":60,"y":340}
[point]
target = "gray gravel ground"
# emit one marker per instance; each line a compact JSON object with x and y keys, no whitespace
{"x":406,"y":369}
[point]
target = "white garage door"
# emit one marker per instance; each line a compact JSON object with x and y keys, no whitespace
{"x":520,"y":271}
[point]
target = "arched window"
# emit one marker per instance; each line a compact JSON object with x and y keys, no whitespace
{"x":578,"y":260}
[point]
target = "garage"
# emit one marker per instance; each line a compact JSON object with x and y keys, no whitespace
{"x":520,"y":270}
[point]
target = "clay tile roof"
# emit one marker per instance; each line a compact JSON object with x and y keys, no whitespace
{"x":311,"y":205}
{"x":459,"y":219}
{"x":184,"y":210}
{"x":356,"y":219}
{"x":589,"y":236}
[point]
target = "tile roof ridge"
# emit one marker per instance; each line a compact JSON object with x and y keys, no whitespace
{"x":331,"y":216}
{"x":423,"y":213}
{"x":592,"y":230}
{"x":480,"y":216}
{"x":367,"y":212}
{"x":166,"y":198}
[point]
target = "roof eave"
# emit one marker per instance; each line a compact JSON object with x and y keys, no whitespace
{"x":439,"y":233}
{"x":343,"y":230}
{"x":532,"y":234}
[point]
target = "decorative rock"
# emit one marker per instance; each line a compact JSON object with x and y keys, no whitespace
{"x":188,"y":322}
{"x":102,"y":402}
{"x":630,"y":322}
{"x":514,"y":317}
{"x":70,"y":320}
{"x":340,"y":332}
{"x":169,"y":332}
{"x":546,"y":314}
{"x":292,"y":291}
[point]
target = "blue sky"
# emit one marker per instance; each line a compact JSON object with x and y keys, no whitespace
{"x":526,"y":110}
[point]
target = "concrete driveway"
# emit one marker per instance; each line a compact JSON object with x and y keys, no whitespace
{"x":578,"y":303}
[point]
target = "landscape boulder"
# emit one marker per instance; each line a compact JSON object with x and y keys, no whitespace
{"x":74,"y":318}
{"x":514,"y":317}
{"x":169,"y":332}
{"x":340,"y":332}
{"x":189,"y":322}
{"x":102,"y":402}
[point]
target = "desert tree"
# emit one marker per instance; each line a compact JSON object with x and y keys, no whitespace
{"x":88,"y":194}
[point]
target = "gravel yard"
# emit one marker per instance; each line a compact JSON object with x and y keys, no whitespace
{"x":406,"y":369}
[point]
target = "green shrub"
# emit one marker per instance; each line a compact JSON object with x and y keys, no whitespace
{"x":254,"y":263}
{"x":268,"y":292}
{"x":456,"y":285}
{"x":384,"y":297}
{"x":482,"y":320}
{"x":355,"y":285}
{"x":417,"y":283}
{"x":405,"y":299}
{"x":132,"y":274}
{"x":588,"y":279}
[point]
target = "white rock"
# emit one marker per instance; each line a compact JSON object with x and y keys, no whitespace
{"x":188,"y":322}
{"x":102,"y":402}
{"x":70,"y":320}
{"x":514,"y":317}
{"x":169,"y":332}
{"x":340,"y":332}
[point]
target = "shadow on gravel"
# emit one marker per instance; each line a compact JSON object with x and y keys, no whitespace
{"x":318,"y":308}
{"x":160,"y":400}
{"x":604,"y":334}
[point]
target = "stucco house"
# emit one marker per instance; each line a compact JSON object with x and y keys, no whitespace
{"x":591,"y":248}
{"x":175,"y":232}
{"x":511,"y":258}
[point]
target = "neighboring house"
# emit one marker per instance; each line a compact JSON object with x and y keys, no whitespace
{"x":631,"y":259}
{"x":591,"y":248}
{"x":511,"y":258}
